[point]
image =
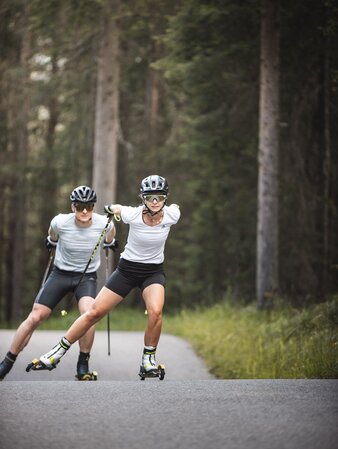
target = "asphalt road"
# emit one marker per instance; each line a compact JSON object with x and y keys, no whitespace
{"x":195,"y":412}
{"x":123,"y":363}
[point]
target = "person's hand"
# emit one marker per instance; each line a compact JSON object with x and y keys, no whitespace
{"x":108,"y":209}
{"x":113,"y":245}
{"x":50,"y":244}
{"x":113,"y":210}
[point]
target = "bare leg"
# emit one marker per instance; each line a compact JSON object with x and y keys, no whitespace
{"x":86,"y":342}
{"x":24,"y":332}
{"x":105,"y":301}
{"x":153,"y":297}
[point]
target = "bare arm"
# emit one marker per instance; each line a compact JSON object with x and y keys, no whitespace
{"x":52,"y":234}
{"x":110,"y":235}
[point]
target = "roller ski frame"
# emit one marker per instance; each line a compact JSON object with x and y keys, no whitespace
{"x":160,"y":373}
{"x":87,"y":376}
{"x":37,"y":365}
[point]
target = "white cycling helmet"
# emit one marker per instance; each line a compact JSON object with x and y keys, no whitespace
{"x":154,"y":184}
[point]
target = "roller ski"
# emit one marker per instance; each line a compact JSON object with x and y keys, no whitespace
{"x":158,"y":372}
{"x":38,"y":365}
{"x":86,"y":376}
{"x":82,"y":368}
{"x":50,"y":360}
{"x":148,"y":367}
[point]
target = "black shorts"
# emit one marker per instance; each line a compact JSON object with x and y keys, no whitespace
{"x":129,"y":275}
{"x":61,"y":282}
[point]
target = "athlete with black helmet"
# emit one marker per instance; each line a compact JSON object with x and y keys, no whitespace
{"x":73,"y":236}
{"x":140,"y":265}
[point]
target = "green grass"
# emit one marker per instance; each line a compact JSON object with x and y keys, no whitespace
{"x":243,"y":343}
{"x":121,"y":319}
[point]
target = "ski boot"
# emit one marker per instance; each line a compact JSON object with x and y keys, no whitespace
{"x":148,"y":366}
{"x":6,"y":365}
{"x":82,"y":368}
{"x":49,"y":360}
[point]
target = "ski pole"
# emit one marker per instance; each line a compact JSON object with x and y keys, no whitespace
{"x":50,"y":260}
{"x":64,"y":312}
{"x":108,"y":317}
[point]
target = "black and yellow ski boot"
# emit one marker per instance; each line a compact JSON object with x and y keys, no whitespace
{"x":82,"y":368}
{"x":7,"y":364}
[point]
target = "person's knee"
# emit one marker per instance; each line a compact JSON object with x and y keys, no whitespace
{"x":93,"y":315}
{"x":35,"y":318}
{"x":85,"y":304}
{"x":155,"y":315}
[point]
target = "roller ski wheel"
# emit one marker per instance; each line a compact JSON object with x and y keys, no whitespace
{"x":87,"y":376}
{"x":159,"y":372}
{"x":37,"y":365}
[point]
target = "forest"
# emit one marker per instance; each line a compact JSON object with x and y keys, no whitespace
{"x":105,"y":93}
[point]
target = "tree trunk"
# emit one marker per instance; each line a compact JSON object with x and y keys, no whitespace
{"x":107,"y":117}
{"x":326,"y":169}
{"x":20,"y":148}
{"x":267,"y":223}
{"x":153,"y":157}
{"x":48,"y":182}
{"x":153,"y":102}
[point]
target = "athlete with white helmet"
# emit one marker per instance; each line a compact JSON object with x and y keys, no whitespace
{"x":140,"y":265}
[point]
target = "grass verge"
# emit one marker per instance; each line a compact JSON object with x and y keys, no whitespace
{"x":244,"y":343}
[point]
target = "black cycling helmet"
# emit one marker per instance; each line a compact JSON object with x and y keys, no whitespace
{"x":83,"y":194}
{"x":154,"y":184}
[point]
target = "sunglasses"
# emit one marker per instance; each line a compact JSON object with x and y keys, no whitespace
{"x":157,"y":198}
{"x":81,"y":207}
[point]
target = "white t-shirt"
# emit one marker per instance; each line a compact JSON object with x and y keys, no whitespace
{"x":145,"y":243}
{"x":76,"y":244}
